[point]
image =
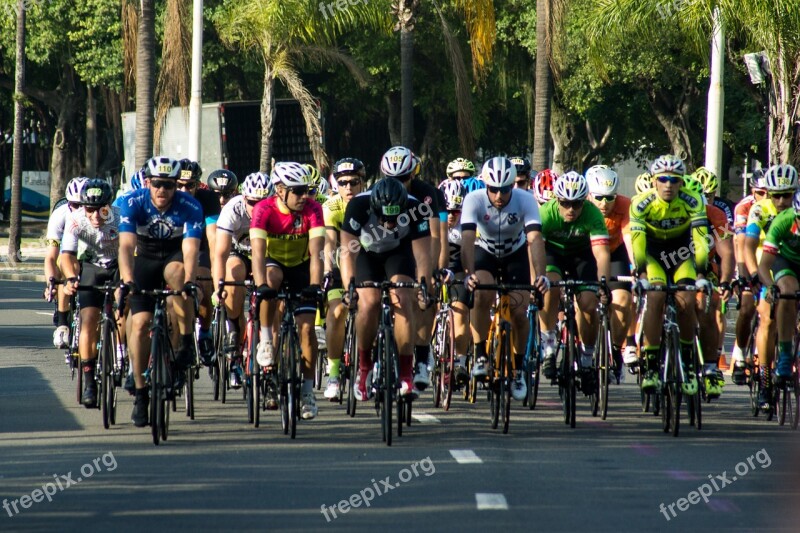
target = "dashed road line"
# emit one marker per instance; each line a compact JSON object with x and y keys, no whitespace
{"x":491,"y":501}
{"x":465,"y":457}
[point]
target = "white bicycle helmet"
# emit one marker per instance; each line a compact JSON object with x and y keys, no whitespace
{"x":668,"y":164}
{"x":397,"y":162}
{"x":780,"y":178}
{"x":454,"y":193}
{"x":796,"y":203}
{"x":163,"y":167}
{"x":74,"y":188}
{"x":498,"y":172}
{"x":571,"y":186}
{"x":290,"y":174}
{"x":602,"y":181}
{"x":256,"y":186}
{"x":644,"y":182}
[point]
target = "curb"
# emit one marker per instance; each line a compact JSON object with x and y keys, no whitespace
{"x":21,"y":276}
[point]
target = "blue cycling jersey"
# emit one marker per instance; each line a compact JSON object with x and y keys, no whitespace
{"x":158,"y":232}
{"x":473,"y":184}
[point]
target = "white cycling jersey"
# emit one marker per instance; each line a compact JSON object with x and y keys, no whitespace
{"x":98,"y":246}
{"x":234,"y":220}
{"x":57,"y":222}
{"x":500,"y":232}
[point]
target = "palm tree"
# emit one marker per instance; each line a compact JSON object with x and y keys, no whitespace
{"x":285,"y":34}
{"x":145,"y":81}
{"x":405,"y":12}
{"x":14,"y":230}
{"x":544,"y":87}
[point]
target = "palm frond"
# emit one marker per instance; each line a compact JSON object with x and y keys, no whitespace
{"x":174,"y":77}
{"x":308,"y":106}
{"x":323,"y":56}
{"x":481,"y":26}
{"x":130,"y":37}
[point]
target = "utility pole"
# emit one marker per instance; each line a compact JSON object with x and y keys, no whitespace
{"x":196,"y":101}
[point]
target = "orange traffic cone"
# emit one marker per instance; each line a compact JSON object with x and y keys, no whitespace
{"x":722,"y":364}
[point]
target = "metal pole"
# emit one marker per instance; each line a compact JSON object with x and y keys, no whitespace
{"x":716,"y":99}
{"x":196,"y":101}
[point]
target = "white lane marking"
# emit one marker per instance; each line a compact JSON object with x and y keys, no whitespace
{"x":489,"y":501}
{"x":43,"y":313}
{"x":27,"y":290}
{"x":424,"y":418}
{"x":465,"y":457}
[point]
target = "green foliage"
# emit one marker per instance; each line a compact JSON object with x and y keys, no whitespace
{"x":96,"y":42}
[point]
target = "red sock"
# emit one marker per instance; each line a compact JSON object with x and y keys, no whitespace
{"x":406,"y":367}
{"x":364,"y":363}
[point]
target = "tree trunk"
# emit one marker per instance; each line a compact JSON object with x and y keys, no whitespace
{"x":15,"y":230}
{"x":145,"y":82}
{"x":65,"y":157}
{"x":90,"y":164}
{"x":407,"y":87}
{"x":677,"y":134}
{"x":544,"y":88}
{"x":392,"y":123}
{"x":267,"y":119}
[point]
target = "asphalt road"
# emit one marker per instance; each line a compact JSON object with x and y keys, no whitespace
{"x":449,"y":472}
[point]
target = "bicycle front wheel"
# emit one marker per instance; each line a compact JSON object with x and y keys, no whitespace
{"x":603,"y":357}
{"x":506,"y":374}
{"x":350,"y":364}
{"x":107,"y":374}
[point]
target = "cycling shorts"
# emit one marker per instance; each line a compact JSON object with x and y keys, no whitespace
{"x":620,"y":266}
{"x":665,"y":262}
{"x":95,"y":275}
{"x":581,"y":266}
{"x":148,"y":274}
{"x":295,"y":279}
{"x":513,"y":268}
{"x":379,"y":267}
{"x":336,"y":290}
{"x":783,"y":267}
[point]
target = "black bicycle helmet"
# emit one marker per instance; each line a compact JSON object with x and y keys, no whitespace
{"x":190,"y":170}
{"x":223,"y":181}
{"x":522,"y":164}
{"x":349,"y":166}
{"x":388,"y":198}
{"x":96,"y":192}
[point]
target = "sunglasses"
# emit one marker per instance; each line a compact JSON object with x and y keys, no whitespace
{"x":673,"y":180}
{"x":349,"y":183}
{"x":605,"y":197}
{"x":505,"y":189}
{"x":573,"y":204}
{"x":759,"y":192}
{"x":74,"y":205}
{"x":190,"y":185}
{"x":163,"y":184}
{"x":781,"y":195}
{"x":454,"y":211}
{"x":226,"y":195}
{"x":251,"y":201}
{"x":300,"y":191}
{"x":91,"y":210}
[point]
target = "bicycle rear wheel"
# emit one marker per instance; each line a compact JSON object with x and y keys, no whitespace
{"x":568,"y":379}
{"x":156,"y":405}
{"x":796,"y":396}
{"x":494,"y":378}
{"x":219,"y":331}
{"x":293,"y":396}
{"x":603,"y":358}
{"x":781,"y":392}
{"x":506,"y":374}
{"x":448,"y":378}
{"x":533,"y":372}
{"x":107,"y":376}
{"x":258,"y":385}
{"x":351,"y":364}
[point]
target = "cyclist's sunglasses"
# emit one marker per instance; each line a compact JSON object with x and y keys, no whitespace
{"x":781,"y":195}
{"x":74,"y":205}
{"x":354,"y":182}
{"x":605,"y":197}
{"x":91,"y":210}
{"x":187,"y":185}
{"x":301,"y":191}
{"x":252,"y":202}
{"x":505,"y":189}
{"x":454,"y":211}
{"x":574,"y":204}
{"x":674,"y":180}
{"x":165,"y":184}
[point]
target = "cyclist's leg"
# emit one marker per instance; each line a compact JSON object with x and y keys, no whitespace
{"x":296,"y":279}
{"x":205,"y":342}
{"x":90,"y":303}
{"x":334,"y":336}
{"x":585,"y":268}
{"x":653,"y":323}
{"x":269,"y":316}
{"x":786,"y":315}
{"x":237,"y":269}
{"x":621,"y":309}
{"x":461,"y":323}
{"x":368,"y":268}
{"x":182,"y":309}
{"x":401,"y":267}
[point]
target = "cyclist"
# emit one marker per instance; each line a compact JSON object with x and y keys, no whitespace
{"x":747,"y":307}
{"x":288,"y":230}
{"x":349,"y":174}
{"x":576,"y":247}
{"x":91,"y":236}
{"x":644,"y":182}
{"x":231,"y":259}
{"x":164,"y":226}
{"x":464,"y":170}
{"x":385,"y":235}
{"x":496,"y":226}
{"x":318,"y":189}
{"x":225,"y":184}
{"x":780,"y":261}
{"x":781,"y":184}
{"x":710,"y":184}
{"x":52,"y":269}
{"x":189,"y":182}
{"x":454,"y":192}
{"x":721,"y":263}
{"x":543,"y":186}
{"x":523,"y":166}
{"x":603,"y":184}
{"x":399,"y":163}
{"x":668,"y":237}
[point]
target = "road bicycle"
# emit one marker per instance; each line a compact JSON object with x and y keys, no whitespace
{"x":499,"y":347}
{"x":443,"y":347}
{"x":385,"y":375}
{"x":72,"y":355}
{"x":227,"y":357}
{"x":349,"y":364}
{"x":786,"y":391}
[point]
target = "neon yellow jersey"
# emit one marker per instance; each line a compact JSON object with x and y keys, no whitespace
{"x":759,"y":219}
{"x":333,"y":212}
{"x":654,"y":219}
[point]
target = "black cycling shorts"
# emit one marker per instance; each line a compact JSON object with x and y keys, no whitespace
{"x":513,"y":268}
{"x":148,"y":274}
{"x":380,"y":267}
{"x":579,"y":266}
{"x":295,"y":279}
{"x":95,"y":275}
{"x":620,"y":266}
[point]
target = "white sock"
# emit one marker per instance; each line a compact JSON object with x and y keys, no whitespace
{"x":266,"y":333}
{"x":737,"y":354}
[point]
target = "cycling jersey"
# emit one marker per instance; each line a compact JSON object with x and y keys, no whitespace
{"x":473,"y":184}
{"x":98,"y":246}
{"x":209,"y":202}
{"x":570,"y":238}
{"x":56,"y":224}
{"x":160,"y":233}
{"x":333,"y":212}
{"x":430,"y":195}
{"x":618,"y":222}
{"x":741,"y":213}
{"x":235,"y":221}
{"x":360,"y":221}
{"x":287,"y":232}
{"x":658,"y":221}
{"x":783,"y":236}
{"x":500,"y":232}
{"x":758,"y":221}
{"x":718,"y":226}
{"x":726,"y":206}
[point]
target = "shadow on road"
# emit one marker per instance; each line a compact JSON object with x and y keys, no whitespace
{"x":27,"y":400}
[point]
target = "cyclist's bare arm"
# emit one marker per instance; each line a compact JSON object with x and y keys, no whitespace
{"x":331,"y":242}
{"x":725,"y":251}
{"x":259,"y":251}
{"x":50,"y":261}
{"x":127,"y":244}
{"x":536,"y":255}
{"x":349,"y":252}
{"x":750,"y":248}
{"x":764,"y":266}
{"x":221,"y":250}
{"x":738,"y":251}
{"x":211,"y":235}
{"x":191,"y":254}
{"x":468,"y":251}
{"x":420,"y":248}
{"x":603,"y":258}
{"x":315,"y":249}
{"x":444,"y":255}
